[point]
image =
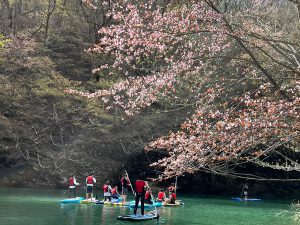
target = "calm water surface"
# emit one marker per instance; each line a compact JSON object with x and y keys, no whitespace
{"x":42,"y":207}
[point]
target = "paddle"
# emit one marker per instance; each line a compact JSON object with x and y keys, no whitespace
{"x":129,"y":182}
{"x":153,"y":200}
{"x":175,"y":184}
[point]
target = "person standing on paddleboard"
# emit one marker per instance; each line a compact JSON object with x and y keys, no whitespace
{"x":72,"y":186}
{"x":90,"y":181}
{"x":140,"y":189}
{"x":245,"y":191}
{"x":125,"y":182}
{"x":171,"y":189}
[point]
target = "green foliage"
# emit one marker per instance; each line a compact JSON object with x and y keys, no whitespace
{"x":53,"y":84}
{"x":3,"y":41}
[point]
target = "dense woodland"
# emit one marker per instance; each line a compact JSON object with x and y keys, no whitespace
{"x":204,"y":90}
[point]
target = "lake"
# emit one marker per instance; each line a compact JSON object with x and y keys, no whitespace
{"x":19,"y":206}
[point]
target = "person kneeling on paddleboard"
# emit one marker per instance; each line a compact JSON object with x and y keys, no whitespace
{"x":140,"y":188}
{"x":114,"y":192}
{"x":172,"y":198}
{"x":148,"y":197}
{"x":161,"y":196}
{"x":107,"y":191}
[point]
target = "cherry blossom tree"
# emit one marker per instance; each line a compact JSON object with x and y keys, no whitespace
{"x":238,"y":73}
{"x":250,"y":131}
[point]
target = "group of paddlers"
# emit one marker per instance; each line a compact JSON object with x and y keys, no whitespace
{"x":142,"y":191}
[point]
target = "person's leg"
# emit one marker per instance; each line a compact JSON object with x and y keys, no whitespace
{"x":70,"y":192}
{"x":122,"y":194}
{"x":137,"y":199}
{"x":92,"y":192}
{"x":74,"y":192}
{"x":87,"y":194}
{"x":245,"y":194}
{"x":142,"y":203}
{"x":125,"y":194}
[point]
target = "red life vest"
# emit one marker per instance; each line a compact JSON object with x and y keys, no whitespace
{"x":139,"y":186}
{"x":105,"y":188}
{"x":113,"y":191}
{"x":174,"y":196}
{"x":90,"y":180}
{"x":72,"y":181}
{"x":147,"y":195}
{"x":160,"y":195}
{"x":123,"y":180}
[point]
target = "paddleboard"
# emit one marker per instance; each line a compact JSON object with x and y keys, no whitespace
{"x":88,"y":201}
{"x":71,"y":200}
{"x":99,"y":202}
{"x":116,"y":203}
{"x":177,"y":203}
{"x":139,"y":217}
{"x":246,"y":200}
{"x":156,"y":204}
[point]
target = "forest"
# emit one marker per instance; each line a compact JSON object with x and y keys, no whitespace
{"x":204,"y":90}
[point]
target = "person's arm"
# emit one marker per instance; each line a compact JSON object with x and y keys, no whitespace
{"x":75,"y":181}
{"x":128,"y":181}
{"x":146,"y":185}
{"x":94,"y":179}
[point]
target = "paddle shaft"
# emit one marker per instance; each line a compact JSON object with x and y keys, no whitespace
{"x":129,"y":182}
{"x":152,"y":198}
{"x":175,"y":184}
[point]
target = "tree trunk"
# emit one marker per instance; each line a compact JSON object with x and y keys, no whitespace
{"x":6,"y":14}
{"x":51,"y":8}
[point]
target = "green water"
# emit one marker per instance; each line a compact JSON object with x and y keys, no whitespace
{"x":42,"y":207}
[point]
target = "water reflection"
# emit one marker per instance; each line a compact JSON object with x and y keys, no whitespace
{"x":70,"y":212}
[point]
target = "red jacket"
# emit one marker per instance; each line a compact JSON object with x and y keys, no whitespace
{"x":140,"y":186}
